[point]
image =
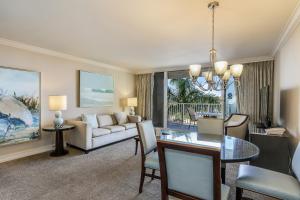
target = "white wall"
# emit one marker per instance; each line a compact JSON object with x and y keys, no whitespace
{"x":287,"y":84}
{"x":59,"y":76}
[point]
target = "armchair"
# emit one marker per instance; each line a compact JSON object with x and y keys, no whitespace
{"x":237,"y":125}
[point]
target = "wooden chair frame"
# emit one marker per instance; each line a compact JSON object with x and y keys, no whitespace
{"x":143,"y":168}
{"x":165,"y":191}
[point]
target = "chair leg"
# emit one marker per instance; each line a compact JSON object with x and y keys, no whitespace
{"x":136,"y":146}
{"x":238,"y":193}
{"x":153,"y":173}
{"x":142,"y":179}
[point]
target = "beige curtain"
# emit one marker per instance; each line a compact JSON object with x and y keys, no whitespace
{"x":144,"y":88}
{"x":254,"y":77}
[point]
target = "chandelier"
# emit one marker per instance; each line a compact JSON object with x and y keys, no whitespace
{"x":218,"y":76}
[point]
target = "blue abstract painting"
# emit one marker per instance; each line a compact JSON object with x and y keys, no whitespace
{"x":19,"y":106}
{"x":96,"y":89}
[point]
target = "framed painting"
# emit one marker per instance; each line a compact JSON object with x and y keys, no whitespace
{"x":95,"y":90}
{"x":20,"y":111}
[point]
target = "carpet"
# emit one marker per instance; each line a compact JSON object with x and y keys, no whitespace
{"x":110,"y":173}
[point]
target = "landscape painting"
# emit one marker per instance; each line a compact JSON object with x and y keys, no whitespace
{"x":19,"y":106}
{"x":96,"y":90}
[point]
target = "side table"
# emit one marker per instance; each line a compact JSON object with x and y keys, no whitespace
{"x":59,"y":139}
{"x":274,"y":150}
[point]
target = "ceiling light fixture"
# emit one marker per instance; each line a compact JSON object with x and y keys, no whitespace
{"x":218,"y":75}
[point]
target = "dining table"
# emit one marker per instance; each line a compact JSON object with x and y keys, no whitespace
{"x":232,"y":149}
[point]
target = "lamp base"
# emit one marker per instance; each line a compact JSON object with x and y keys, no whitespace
{"x":58,"y":120}
{"x":131,"y":112}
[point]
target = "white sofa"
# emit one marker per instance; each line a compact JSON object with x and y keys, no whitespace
{"x":94,"y":131}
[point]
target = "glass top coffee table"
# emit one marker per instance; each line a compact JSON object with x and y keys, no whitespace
{"x":232,"y":149}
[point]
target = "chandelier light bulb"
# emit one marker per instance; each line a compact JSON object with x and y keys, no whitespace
{"x":195,"y":70}
{"x":221,"y":67}
{"x":236,"y":70}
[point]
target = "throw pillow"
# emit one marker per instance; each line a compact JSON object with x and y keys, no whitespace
{"x":121,"y":118}
{"x":90,"y":119}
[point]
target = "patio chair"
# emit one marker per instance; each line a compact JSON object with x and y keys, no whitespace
{"x":190,"y":172}
{"x":194,"y":116}
{"x":148,"y":146}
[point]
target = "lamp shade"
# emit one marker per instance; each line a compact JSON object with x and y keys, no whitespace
{"x":236,"y":70}
{"x":57,"y":102}
{"x":226,"y":75}
{"x":195,"y":70}
{"x":221,"y":67}
{"x":208,"y":75}
{"x":131,"y":102}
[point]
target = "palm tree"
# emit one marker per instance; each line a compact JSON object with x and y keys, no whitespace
{"x":183,"y":91}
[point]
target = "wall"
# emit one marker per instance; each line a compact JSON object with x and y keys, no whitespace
{"x":287,"y":84}
{"x":58,"y":76}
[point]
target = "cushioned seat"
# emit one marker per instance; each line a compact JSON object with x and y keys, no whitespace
{"x":152,"y":161}
{"x":100,"y":131}
{"x":115,"y":128}
{"x":268,"y":182}
{"x":129,"y":125}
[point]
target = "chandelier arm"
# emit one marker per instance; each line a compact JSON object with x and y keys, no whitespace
{"x":201,"y":86}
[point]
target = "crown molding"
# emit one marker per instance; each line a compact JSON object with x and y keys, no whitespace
{"x":288,"y":29}
{"x":204,"y":65}
{"x":48,"y":52}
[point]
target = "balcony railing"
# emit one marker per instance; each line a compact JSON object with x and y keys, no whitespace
{"x":177,"y":112}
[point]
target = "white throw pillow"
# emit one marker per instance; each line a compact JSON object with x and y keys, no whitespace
{"x":90,"y":119}
{"x":121,"y":118}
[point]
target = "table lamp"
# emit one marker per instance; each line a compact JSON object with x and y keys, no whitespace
{"x":58,"y":103}
{"x":131,"y":102}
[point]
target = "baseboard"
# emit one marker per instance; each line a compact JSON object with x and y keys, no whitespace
{"x":25,"y":153}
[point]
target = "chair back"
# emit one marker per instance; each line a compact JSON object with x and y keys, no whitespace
{"x":192,"y":113}
{"x":147,"y":136}
{"x":296,"y":162}
{"x":189,"y":172}
{"x":211,"y":126}
{"x":237,"y":125}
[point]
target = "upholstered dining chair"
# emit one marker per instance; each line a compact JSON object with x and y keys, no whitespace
{"x":190,"y":172}
{"x":148,"y":146}
{"x":211,"y":126}
{"x":237,"y":126}
{"x":270,"y":183}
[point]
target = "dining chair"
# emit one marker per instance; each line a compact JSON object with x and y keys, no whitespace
{"x":148,"y":147}
{"x":270,"y":183}
{"x":190,"y":172}
{"x":211,"y":126}
{"x":237,"y":126}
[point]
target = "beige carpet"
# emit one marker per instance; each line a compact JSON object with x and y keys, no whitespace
{"x":110,"y":173}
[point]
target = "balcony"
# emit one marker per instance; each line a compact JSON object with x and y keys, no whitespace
{"x":178,"y":116}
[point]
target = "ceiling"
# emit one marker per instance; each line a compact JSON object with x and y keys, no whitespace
{"x":141,"y":34}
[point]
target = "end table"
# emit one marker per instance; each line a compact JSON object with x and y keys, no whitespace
{"x":59,"y":139}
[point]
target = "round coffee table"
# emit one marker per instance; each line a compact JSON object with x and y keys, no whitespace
{"x":59,"y":139}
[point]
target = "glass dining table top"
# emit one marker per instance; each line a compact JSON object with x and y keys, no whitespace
{"x":232,"y":149}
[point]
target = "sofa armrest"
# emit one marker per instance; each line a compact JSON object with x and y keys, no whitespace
{"x":82,"y":135}
{"x":134,"y":118}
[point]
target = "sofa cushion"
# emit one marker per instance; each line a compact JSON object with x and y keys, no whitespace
{"x":100,"y":131}
{"x":121,"y":118}
{"x":115,"y":128}
{"x":90,"y":119}
{"x":105,"y":120}
{"x":129,"y":125}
